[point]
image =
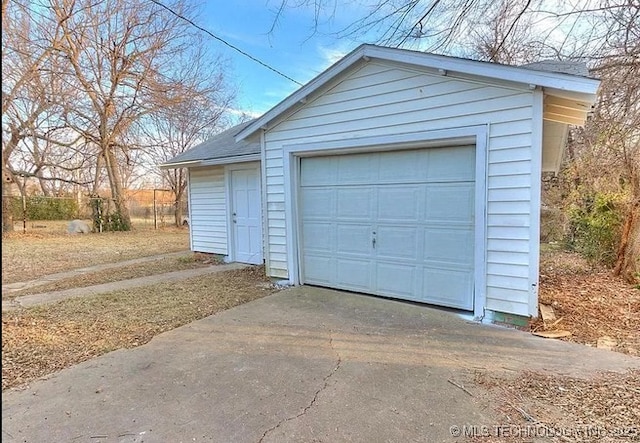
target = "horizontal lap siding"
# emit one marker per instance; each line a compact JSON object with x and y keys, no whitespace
{"x":208,"y":210}
{"x":383,"y":99}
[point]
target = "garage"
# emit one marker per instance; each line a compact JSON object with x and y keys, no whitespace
{"x":396,"y":224}
{"x":402,"y":174}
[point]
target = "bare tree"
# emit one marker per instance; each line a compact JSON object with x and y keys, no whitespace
{"x":502,"y":37}
{"x":81,"y":77}
{"x":180,"y":127}
{"x":118,"y":52}
{"x":605,"y":155}
{"x":613,"y":135}
{"x":27,"y":53}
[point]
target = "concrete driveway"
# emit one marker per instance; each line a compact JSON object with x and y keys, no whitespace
{"x":305,"y":364}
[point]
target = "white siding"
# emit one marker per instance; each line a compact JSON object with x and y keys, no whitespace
{"x":208,"y":210}
{"x":377,"y":99}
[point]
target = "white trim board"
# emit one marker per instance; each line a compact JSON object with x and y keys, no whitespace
{"x":536,"y":190}
{"x":477,"y":135}
{"x":263,"y":196}
{"x":189,"y":206}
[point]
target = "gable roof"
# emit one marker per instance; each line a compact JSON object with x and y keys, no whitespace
{"x":579,"y":90}
{"x":221,"y":148}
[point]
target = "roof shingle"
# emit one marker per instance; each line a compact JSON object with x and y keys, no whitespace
{"x":220,"y":146}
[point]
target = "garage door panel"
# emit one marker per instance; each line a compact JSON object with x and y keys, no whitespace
{"x":450,"y":203}
{"x":354,"y":203}
{"x":353,"y":274}
{"x":396,"y":280}
{"x":319,"y":269}
{"x":357,"y":169}
{"x":318,"y":171}
{"x":448,"y":287}
{"x":317,"y":236}
{"x":402,"y":167}
{"x":317,"y":203}
{"x":399,"y":203}
{"x":449,"y":245}
{"x":353,"y":239}
{"x":451,"y":164}
{"x":396,"y":242}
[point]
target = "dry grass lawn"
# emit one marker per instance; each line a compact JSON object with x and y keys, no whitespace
{"x":41,"y":340}
{"x":155,"y":267}
{"x":26,"y":256}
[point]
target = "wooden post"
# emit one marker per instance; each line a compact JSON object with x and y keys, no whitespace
{"x":24,"y":214}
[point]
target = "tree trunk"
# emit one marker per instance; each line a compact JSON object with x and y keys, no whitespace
{"x":8,"y":178}
{"x":117,"y":190}
{"x":178,"y":212}
{"x":7,"y":213}
{"x":44,"y":186}
{"x":628,"y":261}
{"x":177,"y":204}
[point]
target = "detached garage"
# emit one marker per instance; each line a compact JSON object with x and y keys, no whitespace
{"x":394,"y":173}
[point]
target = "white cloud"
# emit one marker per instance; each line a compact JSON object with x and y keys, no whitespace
{"x":243,"y":112}
{"x":331,"y":55}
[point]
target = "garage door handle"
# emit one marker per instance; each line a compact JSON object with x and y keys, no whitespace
{"x":373,"y":240}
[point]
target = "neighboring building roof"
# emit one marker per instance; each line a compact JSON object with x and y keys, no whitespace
{"x":580,"y":90}
{"x":560,"y":67}
{"x":222,"y":146}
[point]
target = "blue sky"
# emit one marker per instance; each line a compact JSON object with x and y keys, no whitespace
{"x":296,"y":50}
{"x":292,"y":47}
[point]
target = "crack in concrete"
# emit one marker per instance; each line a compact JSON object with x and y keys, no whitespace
{"x":315,"y":396}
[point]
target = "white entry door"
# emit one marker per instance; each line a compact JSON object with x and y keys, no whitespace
{"x":246,"y":216}
{"x":398,"y":224}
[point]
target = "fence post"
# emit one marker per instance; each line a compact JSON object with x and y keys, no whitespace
{"x":155,"y":211}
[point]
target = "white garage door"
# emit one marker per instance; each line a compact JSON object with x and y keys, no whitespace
{"x":397,"y":224}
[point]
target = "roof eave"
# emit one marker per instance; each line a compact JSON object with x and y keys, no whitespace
{"x":564,"y":85}
{"x":230,"y":160}
{"x":516,"y":74}
{"x":177,"y":165}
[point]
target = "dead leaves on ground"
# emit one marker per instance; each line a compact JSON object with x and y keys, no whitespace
{"x":591,"y":304}
{"x":604,"y":408}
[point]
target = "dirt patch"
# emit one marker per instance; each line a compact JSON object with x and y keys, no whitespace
{"x":589,"y":302}
{"x":156,"y":267}
{"x":533,"y":406}
{"x":34,"y":254}
{"x":41,"y":340}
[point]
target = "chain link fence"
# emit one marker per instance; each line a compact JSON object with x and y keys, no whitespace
{"x":147,"y":209}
